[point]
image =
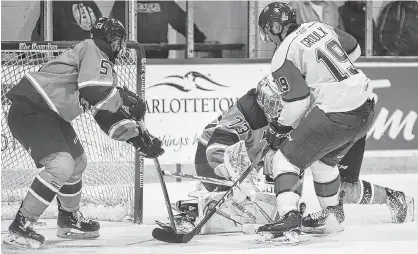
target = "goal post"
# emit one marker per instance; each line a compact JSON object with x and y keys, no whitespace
{"x":113,"y":180}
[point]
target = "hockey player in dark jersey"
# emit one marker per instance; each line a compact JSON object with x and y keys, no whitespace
{"x":43,"y":105}
{"x":314,"y":61}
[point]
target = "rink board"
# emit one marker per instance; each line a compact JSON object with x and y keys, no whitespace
{"x":368,"y":229}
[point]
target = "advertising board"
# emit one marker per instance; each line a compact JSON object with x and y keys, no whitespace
{"x":183,"y":98}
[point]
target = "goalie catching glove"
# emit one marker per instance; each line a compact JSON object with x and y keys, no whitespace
{"x":147,"y":145}
{"x":236,"y":161}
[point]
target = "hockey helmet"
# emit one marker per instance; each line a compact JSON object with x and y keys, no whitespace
{"x":112,"y":32}
{"x":274,"y":18}
{"x":269,"y":97}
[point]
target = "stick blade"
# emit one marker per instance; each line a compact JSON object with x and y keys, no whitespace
{"x":167,"y":236}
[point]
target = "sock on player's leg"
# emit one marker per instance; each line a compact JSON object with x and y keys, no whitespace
{"x":363,"y":192}
{"x":70,"y":195}
{"x":40,"y":195}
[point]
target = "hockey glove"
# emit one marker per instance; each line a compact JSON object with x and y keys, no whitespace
{"x":135,"y":104}
{"x":150,"y":147}
{"x":276,"y":134}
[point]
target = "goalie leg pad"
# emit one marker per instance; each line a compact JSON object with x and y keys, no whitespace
{"x":233,"y":215}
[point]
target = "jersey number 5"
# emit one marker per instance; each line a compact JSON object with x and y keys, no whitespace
{"x":334,"y":51}
{"x":104,"y":64}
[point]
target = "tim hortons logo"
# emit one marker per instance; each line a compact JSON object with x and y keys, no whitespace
{"x":36,"y":46}
{"x":393,"y":125}
{"x":191,"y":80}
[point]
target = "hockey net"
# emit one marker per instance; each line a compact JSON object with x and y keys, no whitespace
{"x":109,"y":190}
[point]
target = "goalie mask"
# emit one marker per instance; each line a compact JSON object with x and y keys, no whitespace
{"x":269,"y":97}
{"x":275,"y":19}
{"x":112,"y":32}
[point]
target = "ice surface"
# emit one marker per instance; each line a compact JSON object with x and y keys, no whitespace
{"x":367,"y":229}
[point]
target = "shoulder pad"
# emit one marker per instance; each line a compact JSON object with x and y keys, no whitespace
{"x":105,"y":48}
{"x":252,"y":112}
{"x":280,"y":55}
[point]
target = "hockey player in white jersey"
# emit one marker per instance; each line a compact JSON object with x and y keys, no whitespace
{"x":314,"y":60}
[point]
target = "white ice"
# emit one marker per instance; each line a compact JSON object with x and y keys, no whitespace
{"x":367,"y":229}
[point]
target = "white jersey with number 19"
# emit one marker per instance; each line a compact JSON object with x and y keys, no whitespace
{"x":318,"y":59}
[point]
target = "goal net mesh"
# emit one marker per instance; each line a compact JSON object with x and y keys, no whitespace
{"x":108,"y":181}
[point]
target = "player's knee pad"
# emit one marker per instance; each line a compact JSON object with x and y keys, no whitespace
{"x":70,"y":192}
{"x":281,"y":165}
{"x":58,"y":168}
{"x":79,"y":167}
{"x":59,"y":165}
{"x":268,"y":163}
{"x":326,"y":182}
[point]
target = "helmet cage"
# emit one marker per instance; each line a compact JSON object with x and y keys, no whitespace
{"x":269,"y":97}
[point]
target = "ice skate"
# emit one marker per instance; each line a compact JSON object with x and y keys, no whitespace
{"x":21,"y":234}
{"x":401,"y":207}
{"x":284,"y":231}
{"x":325,"y":221}
{"x":73,"y":225}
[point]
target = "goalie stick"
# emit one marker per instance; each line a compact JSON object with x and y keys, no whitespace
{"x":199,"y":178}
{"x":215,"y":181}
{"x":173,"y":237}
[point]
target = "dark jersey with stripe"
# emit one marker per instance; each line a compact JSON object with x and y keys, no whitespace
{"x":245,"y":120}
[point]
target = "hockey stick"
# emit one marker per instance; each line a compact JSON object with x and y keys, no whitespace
{"x":173,"y":237}
{"x":199,"y":178}
{"x":145,"y":134}
{"x":165,"y":193}
{"x":219,"y":182}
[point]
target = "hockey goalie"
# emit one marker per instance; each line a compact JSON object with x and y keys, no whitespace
{"x":225,"y":149}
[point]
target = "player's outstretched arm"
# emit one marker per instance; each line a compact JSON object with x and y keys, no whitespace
{"x":121,"y":126}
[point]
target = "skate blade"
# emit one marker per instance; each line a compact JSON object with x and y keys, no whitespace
{"x":288,"y":238}
{"x":324,"y":230}
{"x":71,"y":233}
{"x":410,"y":213}
{"x":18,"y":242}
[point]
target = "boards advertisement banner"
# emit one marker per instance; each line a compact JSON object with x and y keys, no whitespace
{"x":183,"y":98}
